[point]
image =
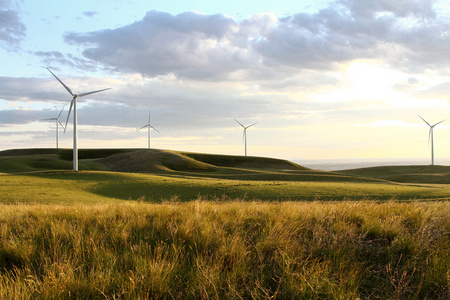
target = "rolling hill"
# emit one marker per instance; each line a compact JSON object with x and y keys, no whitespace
{"x":168,"y":162}
{"x":405,"y":174}
{"x":45,"y":176}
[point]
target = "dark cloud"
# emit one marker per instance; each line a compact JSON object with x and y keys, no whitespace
{"x":23,"y":89}
{"x":12,"y":30}
{"x":22,"y":116}
{"x":216,"y":47}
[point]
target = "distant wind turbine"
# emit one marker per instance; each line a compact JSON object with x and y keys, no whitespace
{"x":58,"y":123}
{"x":73,"y":104}
{"x":430,"y":137}
{"x":149,"y":126}
{"x":244,"y":136}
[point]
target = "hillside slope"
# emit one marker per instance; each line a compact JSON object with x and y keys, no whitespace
{"x":154,"y":160}
{"x":405,"y":174}
{"x":133,"y":160}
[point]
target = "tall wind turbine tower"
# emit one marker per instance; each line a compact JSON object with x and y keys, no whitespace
{"x":58,"y":123}
{"x":244,"y":136}
{"x":430,"y":137}
{"x":73,"y":104}
{"x":149,"y":126}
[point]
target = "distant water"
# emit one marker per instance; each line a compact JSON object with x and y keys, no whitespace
{"x":346,"y":164}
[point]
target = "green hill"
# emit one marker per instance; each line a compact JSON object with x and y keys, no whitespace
{"x":405,"y":174}
{"x":45,"y":176}
{"x":166,"y":161}
{"x":133,"y":160}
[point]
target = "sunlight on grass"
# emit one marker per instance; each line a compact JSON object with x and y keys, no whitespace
{"x":66,"y":187}
{"x":294,"y":250}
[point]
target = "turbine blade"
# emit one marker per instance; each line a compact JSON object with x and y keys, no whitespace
{"x":438,"y":123}
{"x":251,"y":125}
{"x":66,"y":87}
{"x":88,"y":93}
{"x":68,"y":115}
{"x":429,"y":134}
{"x":240,"y":123}
{"x":143,"y":127}
{"x":155,"y":129}
{"x":60,"y":112}
{"x":60,"y":124}
{"x":243,"y":135}
{"x":424,"y":120}
{"x":50,"y":119}
{"x":149,"y":113}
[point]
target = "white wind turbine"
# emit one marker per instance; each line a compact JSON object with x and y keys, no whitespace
{"x":430,"y":137}
{"x":58,"y":123}
{"x":244,"y":136}
{"x":149,"y":126}
{"x":73,"y":104}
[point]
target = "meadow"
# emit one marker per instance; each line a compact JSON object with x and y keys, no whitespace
{"x":170,"y":225}
{"x":232,"y":250}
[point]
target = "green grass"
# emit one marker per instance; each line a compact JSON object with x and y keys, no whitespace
{"x":67,"y":187}
{"x":33,"y":163}
{"x":233,"y":250}
{"x":406,"y":174}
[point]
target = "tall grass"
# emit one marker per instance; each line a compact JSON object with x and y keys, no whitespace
{"x":229,"y":250}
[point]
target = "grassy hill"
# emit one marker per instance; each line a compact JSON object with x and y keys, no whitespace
{"x":110,"y":175}
{"x":132,"y":160}
{"x":405,"y":174}
{"x":166,"y":161}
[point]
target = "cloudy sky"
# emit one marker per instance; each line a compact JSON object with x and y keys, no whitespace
{"x":339,"y":79}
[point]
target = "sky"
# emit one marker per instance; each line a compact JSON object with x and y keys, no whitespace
{"x":337,"y":79}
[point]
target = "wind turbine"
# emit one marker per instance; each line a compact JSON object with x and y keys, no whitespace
{"x":149,"y":126}
{"x":244,"y":136}
{"x":430,"y":136}
{"x":73,"y":104}
{"x":58,"y":123}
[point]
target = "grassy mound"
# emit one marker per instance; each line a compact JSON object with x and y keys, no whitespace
{"x":246,"y":162}
{"x":154,"y":160}
{"x":132,"y":160}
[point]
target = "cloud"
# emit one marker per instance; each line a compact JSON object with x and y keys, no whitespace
{"x":50,"y":58}
{"x":193,"y":45}
{"x":12,"y":30}
{"x":90,"y":13}
{"x":190,"y":45}
{"x":401,"y":8}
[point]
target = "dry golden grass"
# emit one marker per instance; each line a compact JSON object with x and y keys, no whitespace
{"x":232,"y":250}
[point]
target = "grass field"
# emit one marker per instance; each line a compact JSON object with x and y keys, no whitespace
{"x":109,"y":187}
{"x":42,"y":176}
{"x":234,"y":250}
{"x":152,"y":224}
